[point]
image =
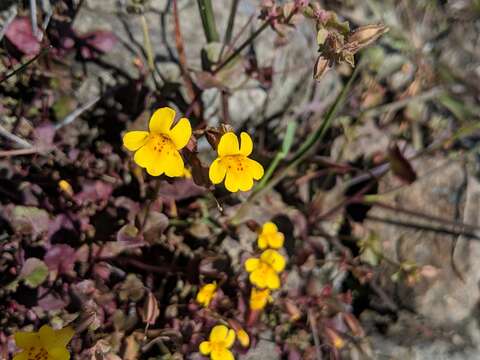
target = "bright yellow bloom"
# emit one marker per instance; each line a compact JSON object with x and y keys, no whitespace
{"x":259,"y":298}
{"x":65,"y":186}
{"x":206,"y":294}
{"x":158,"y":150}
{"x":264,"y":271}
{"x":243,"y":338}
{"x":221,"y":339}
{"x":46,"y":344}
{"x":233,"y":163}
{"x":270,"y":237}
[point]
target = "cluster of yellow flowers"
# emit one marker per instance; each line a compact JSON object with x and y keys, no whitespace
{"x":264,"y":275}
{"x":158,"y":151}
{"x":46,"y":344}
{"x":264,"y":271}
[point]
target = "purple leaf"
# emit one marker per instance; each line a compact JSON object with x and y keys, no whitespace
{"x":180,"y":190}
{"x":20,"y":34}
{"x":60,"y":258}
{"x":101,"y":41}
{"x":50,"y":302}
{"x":44,"y":134}
{"x":95,"y":191}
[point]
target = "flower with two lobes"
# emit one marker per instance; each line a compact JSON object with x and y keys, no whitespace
{"x":270,"y":237}
{"x":233,"y":163}
{"x":220,"y":341}
{"x":46,"y":344}
{"x":259,"y":298}
{"x":264,"y":271}
{"x":206,"y":294}
{"x":157,"y":150}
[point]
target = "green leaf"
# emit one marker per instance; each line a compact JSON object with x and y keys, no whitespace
{"x":34,"y":272}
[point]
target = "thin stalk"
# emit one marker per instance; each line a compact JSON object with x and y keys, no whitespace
{"x":208,"y":20}
{"x":286,"y":145}
{"x":229,"y":31}
{"x":24,"y":66}
{"x":147,"y":43}
{"x":238,"y":50}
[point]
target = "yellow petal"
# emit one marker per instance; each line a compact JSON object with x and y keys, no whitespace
{"x":181,"y":133}
{"x":251,"y":264}
{"x":218,"y":333}
{"x":269,"y":228}
{"x":145,"y":156}
{"x":217,"y":171}
{"x":134,"y":140}
{"x":272,"y":280}
{"x":258,"y":278}
{"x":245,"y":181}
{"x":231,"y":181}
{"x":262,"y":242}
{"x":255,"y":169}
{"x":173,"y":163}
{"x":25,"y":340}
{"x":259,"y":298}
{"x":230,"y":338}
{"x":246,"y":144}
{"x":228,"y":145}
{"x":55,"y":338}
{"x":276,"y":240}
{"x":205,"y":347}
{"x":58,"y":354}
{"x":274,"y":259}
{"x":243,"y":338}
{"x":161,"y":120}
{"x":222,"y":354}
{"x":156,"y":166}
{"x":201,"y":297}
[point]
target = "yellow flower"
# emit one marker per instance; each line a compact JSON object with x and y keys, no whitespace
{"x":65,"y":186}
{"x":243,"y":338}
{"x":264,"y":271}
{"x":233,"y":163}
{"x":46,"y":344}
{"x":206,"y":294}
{"x":270,"y":237}
{"x":158,"y":150}
{"x":221,"y":339}
{"x":259,"y":298}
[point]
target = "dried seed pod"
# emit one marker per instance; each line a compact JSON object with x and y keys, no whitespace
{"x":366,"y":35}
{"x":321,"y":67}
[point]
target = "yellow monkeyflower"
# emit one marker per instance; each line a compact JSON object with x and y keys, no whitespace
{"x":220,"y":341}
{"x":270,"y":237}
{"x":206,"y":294}
{"x":259,"y":298}
{"x":157,"y":150}
{"x":46,"y":344}
{"x":264,"y":271}
{"x":233,"y":163}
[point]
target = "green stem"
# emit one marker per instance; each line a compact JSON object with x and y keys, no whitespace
{"x":286,"y":145}
{"x":208,"y":20}
{"x":147,"y":43}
